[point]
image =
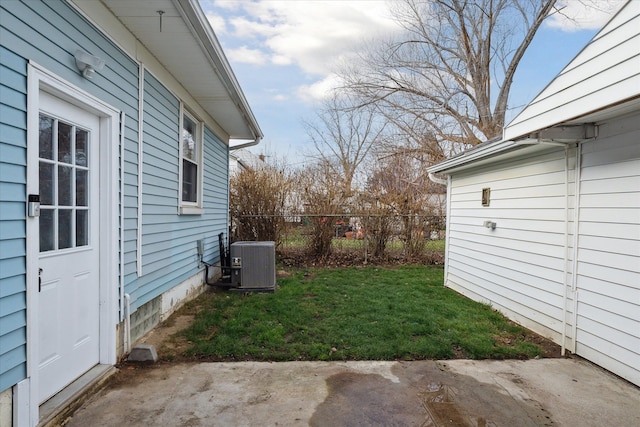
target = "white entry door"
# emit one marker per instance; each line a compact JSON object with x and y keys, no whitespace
{"x":69,"y":288}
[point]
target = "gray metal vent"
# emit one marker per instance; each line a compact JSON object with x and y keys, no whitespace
{"x":253,"y":265}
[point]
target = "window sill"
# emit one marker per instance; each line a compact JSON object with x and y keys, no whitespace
{"x":190,"y":210}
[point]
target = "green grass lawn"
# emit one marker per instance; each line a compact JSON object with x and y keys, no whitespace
{"x":370,"y":313}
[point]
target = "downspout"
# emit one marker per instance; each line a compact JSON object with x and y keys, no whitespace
{"x":576,"y":218}
{"x":565,"y":271}
{"x":446,"y":182}
{"x":447,"y":231}
{"x":127,"y":324}
{"x":437,"y":180}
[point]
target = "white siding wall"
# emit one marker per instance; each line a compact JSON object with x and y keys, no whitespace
{"x":518,"y":267}
{"x":608,"y":324}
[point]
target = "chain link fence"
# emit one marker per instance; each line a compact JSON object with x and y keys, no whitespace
{"x":348,"y":238}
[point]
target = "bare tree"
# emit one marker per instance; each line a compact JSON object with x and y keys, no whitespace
{"x":398,"y":185}
{"x":445,"y":83}
{"x":323,"y":199}
{"x":343,"y":136}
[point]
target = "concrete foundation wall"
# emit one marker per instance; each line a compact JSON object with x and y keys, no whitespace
{"x":6,"y":408}
{"x":151,"y":314}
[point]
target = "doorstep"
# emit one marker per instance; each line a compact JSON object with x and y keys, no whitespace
{"x":54,"y":411}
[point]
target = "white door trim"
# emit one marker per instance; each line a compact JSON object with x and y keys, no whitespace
{"x":38,"y":78}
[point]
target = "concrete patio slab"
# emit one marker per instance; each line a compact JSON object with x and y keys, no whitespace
{"x":545,"y":392}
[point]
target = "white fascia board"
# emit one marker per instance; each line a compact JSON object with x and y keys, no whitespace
{"x":478,"y":153}
{"x":559,"y":135}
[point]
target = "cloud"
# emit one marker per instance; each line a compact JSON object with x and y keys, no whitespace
{"x":247,"y":55}
{"x":319,"y":36}
{"x":575,"y":15}
{"x":319,"y":90}
{"x":217,"y":23}
{"x":310,"y":34}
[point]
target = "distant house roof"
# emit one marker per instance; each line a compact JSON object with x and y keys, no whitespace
{"x":602,"y":81}
{"x":188,"y":48}
{"x":246,"y":159}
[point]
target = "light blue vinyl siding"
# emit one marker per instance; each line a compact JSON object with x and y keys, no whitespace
{"x":168,"y":239}
{"x":13,"y":178}
{"x":48,"y":33}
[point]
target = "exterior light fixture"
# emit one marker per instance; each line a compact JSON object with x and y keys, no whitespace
{"x":88,"y":64}
{"x":490,"y":224}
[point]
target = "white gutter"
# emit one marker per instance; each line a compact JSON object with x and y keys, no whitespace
{"x":474,"y":154}
{"x":246,"y":144}
{"x":555,"y":135}
{"x":437,"y":180}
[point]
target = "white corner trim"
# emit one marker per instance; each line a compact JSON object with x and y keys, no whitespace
{"x":23,"y":413}
{"x":141,"y":71}
{"x":123,"y":128}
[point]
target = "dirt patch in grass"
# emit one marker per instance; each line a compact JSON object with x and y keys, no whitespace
{"x":549,"y":348}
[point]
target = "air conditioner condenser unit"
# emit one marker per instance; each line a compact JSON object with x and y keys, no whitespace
{"x":253,"y":266}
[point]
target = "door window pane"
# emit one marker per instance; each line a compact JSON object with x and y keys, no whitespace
{"x":65,"y":228}
{"x":82,"y":228}
{"x":64,"y":185}
{"x":82,"y":137}
{"x":46,"y":230}
{"x":64,"y":142}
{"x":46,"y":183}
{"x":81,"y":188}
{"x":65,"y":196}
{"x":46,"y":137}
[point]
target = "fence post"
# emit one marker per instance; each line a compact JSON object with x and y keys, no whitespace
{"x":366,"y":241}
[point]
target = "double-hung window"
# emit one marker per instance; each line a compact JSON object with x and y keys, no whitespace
{"x":190,"y":164}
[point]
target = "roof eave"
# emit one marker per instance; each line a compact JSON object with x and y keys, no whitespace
{"x":193,"y":13}
{"x":472,"y":155}
{"x":559,"y":135}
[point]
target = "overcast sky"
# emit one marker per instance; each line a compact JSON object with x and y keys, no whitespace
{"x":284,"y":54}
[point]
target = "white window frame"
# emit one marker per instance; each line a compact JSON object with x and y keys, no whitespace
{"x":187,"y":207}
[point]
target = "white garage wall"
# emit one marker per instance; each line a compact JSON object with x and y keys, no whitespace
{"x":520,"y":266}
{"x":608,"y":280}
